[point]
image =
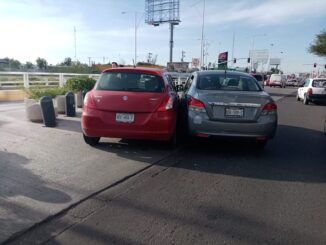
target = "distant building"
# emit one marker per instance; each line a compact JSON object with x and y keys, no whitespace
{"x":178,"y":66}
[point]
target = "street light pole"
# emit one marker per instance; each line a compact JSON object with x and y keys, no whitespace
{"x":233,"y":39}
{"x":202,"y":38}
{"x":281,"y":52}
{"x":270,"y":56}
{"x":253,"y":47}
{"x":135,"y":35}
{"x":135,"y":60}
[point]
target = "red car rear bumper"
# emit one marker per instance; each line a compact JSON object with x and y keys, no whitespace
{"x":153,"y":126}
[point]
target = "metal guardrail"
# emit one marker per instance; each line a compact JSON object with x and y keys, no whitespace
{"x":19,"y":80}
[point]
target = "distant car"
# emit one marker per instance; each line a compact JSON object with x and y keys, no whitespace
{"x":178,"y":78}
{"x":229,"y":104}
{"x":300,"y":82}
{"x":261,"y":78}
{"x":314,"y":90}
{"x":131,"y":103}
{"x":277,"y":80}
{"x":291,"y":82}
{"x":182,"y":79}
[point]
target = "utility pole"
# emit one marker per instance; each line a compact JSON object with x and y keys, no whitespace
{"x":104,"y":59}
{"x":205,"y":51}
{"x":149,"y":57}
{"x":233,"y":45}
{"x":202,"y":38}
{"x":89,"y":61}
{"x":171,"y":41}
{"x":183,"y":55}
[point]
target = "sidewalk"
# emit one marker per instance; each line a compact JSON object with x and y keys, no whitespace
{"x":46,"y":170}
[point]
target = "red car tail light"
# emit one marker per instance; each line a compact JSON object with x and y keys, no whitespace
{"x":166,"y":105}
{"x":196,"y":105}
{"x":261,"y":138}
{"x":270,"y":108}
{"x":89,"y":101}
{"x":309,"y":91}
{"x":202,"y":135}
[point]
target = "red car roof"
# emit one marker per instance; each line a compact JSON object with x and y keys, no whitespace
{"x":153,"y":71}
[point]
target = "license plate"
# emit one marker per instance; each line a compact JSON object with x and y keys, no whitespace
{"x":233,"y":112}
{"x":125,"y":117}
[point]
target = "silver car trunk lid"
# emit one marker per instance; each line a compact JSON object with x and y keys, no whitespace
{"x":234,"y":105}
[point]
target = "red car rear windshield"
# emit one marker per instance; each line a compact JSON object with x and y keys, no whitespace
{"x":125,"y":81}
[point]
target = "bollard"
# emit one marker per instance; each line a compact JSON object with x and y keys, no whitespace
{"x":48,"y":112}
{"x":84,"y":94}
{"x":70,"y":105}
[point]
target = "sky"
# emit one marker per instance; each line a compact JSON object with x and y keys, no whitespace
{"x":105,"y":30}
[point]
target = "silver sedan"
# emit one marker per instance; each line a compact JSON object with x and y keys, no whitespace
{"x":229,"y":104}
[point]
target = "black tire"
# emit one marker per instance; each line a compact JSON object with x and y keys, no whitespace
{"x":298,"y":98}
{"x":305,"y":100}
{"x":91,"y":140}
{"x":260,"y":145}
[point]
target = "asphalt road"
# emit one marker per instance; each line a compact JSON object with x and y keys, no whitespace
{"x":213,"y":193}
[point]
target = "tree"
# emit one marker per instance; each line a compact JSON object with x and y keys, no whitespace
{"x":319,"y":45}
{"x":14,"y":64}
{"x":67,"y":62}
{"x":275,"y":70}
{"x":154,"y":59}
{"x":29,"y":65}
{"x":41,"y":63}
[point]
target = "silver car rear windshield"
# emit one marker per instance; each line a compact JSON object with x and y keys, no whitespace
{"x":136,"y":82}
{"x":227,"y":83}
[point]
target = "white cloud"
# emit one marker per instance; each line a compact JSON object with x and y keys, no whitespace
{"x":32,"y":28}
{"x":259,"y":13}
{"x":29,"y":30}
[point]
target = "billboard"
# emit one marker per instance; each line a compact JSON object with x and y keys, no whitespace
{"x":162,"y":11}
{"x":275,"y":61}
{"x":178,"y":66}
{"x":223,"y":60}
{"x":260,"y":56}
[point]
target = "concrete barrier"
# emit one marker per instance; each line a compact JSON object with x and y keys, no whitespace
{"x":12,"y":95}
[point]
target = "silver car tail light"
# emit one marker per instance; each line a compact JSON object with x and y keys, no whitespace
{"x":270,"y":108}
{"x":196,"y":105}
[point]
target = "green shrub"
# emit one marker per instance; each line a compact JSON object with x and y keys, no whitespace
{"x":37,"y":93}
{"x":77,"y":84}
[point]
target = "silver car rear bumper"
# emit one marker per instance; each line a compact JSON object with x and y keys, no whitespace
{"x":265,"y":126}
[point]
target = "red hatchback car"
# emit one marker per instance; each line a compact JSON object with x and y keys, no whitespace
{"x":131,"y":103}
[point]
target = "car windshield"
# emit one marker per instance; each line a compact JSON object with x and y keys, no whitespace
{"x":136,"y":82}
{"x":227,"y":83}
{"x":319,"y":83}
